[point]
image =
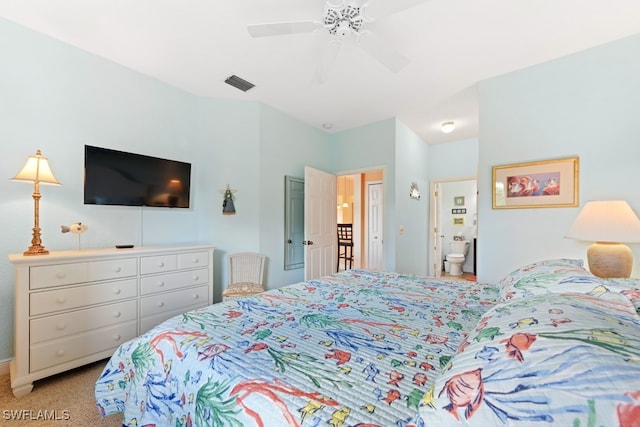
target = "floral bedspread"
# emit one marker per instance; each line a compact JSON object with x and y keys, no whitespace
{"x":353,"y":349}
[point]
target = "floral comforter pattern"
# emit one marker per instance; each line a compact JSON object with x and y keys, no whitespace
{"x":356,"y":348}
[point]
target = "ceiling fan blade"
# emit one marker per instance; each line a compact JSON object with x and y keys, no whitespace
{"x":382,"y":52}
{"x":282,"y":28}
{"x":380,"y":8}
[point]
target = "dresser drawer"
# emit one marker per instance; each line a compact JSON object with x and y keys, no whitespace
{"x":173,"y":300}
{"x":52,"y":353}
{"x":81,"y":296}
{"x":158,"y":264}
{"x":53,"y":327}
{"x":47,"y":276}
{"x":113,"y":269}
{"x":193,"y":259}
{"x":172,"y":281}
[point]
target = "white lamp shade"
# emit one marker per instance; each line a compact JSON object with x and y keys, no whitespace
{"x":37,"y":170}
{"x":606,"y":221}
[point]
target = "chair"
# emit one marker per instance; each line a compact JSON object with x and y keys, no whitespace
{"x":345,"y":245}
{"x":246,"y":271}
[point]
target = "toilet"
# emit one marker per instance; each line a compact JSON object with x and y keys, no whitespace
{"x":459,"y":249}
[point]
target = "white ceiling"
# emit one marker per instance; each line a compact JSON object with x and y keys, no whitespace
{"x":452,"y":44}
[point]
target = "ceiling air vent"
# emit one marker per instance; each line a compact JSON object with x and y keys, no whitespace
{"x":239,"y":83}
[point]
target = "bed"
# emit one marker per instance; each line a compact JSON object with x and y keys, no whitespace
{"x":548,"y":344}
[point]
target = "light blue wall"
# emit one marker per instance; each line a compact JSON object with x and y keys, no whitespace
{"x":287,"y":146}
{"x":57,"y":98}
{"x":584,"y":105}
{"x":227,"y":146}
{"x":372,"y":147}
{"x":412,"y":215}
{"x":456,"y":159}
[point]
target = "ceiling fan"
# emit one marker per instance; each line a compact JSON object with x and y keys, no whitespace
{"x":345,"y":20}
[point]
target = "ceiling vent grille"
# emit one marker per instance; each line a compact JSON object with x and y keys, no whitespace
{"x":239,"y":83}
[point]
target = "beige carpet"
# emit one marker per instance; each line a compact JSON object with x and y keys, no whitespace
{"x":65,"y":400}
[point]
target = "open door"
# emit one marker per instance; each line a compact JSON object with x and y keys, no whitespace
{"x":320,"y":219}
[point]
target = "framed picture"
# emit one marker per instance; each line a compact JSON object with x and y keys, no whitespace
{"x":543,"y":184}
{"x":458,"y":220}
{"x":459,"y":211}
{"x":458,"y":201}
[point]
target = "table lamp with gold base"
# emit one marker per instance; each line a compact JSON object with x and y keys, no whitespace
{"x":36,"y":170}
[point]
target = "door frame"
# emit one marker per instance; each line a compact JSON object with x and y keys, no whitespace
{"x":435,"y":237}
{"x":359,"y":252}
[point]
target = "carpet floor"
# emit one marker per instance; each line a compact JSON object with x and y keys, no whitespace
{"x":62,"y":400}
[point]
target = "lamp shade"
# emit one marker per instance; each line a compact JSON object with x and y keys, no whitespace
{"x":606,"y":221}
{"x":37,"y":170}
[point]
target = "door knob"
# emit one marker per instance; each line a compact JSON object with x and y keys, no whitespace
{"x":307,"y":242}
{"x":289,"y":241}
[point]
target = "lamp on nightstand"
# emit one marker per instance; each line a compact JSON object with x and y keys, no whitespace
{"x":36,"y":170}
{"x":607,"y":223}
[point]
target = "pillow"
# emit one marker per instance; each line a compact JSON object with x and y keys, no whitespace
{"x":561,"y":359}
{"x":556,"y":275}
{"x":627,"y":287}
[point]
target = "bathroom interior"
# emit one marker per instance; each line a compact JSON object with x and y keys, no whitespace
{"x":457,"y":225}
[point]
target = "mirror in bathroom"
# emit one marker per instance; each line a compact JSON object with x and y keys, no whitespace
{"x":293,"y":223}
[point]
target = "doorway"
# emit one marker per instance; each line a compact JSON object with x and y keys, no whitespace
{"x":453,"y":216}
{"x":360,"y":202}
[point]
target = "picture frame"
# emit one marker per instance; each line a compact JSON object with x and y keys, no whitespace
{"x":458,"y":201}
{"x":541,"y":184}
{"x":458,"y":220}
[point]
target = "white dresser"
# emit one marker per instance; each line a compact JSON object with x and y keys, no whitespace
{"x":75,"y":307}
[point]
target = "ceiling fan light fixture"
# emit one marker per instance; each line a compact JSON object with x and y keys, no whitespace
{"x":447,"y":127}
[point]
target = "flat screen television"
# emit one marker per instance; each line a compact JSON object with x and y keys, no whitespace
{"x":114,"y":177}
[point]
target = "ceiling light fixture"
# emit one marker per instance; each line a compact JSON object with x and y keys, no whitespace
{"x":327,"y":126}
{"x":447,"y":127}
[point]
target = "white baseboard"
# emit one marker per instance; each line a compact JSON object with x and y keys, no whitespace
{"x":4,"y":366}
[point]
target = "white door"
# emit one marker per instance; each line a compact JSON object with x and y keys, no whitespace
{"x":435,"y":269}
{"x":375,"y":249}
{"x":320,"y":219}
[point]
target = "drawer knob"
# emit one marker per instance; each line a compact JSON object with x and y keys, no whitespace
{"x":196,"y":296}
{"x":161,"y":264}
{"x":117,"y":291}
{"x":196,"y":260}
{"x":61,"y":275}
{"x":117,"y":337}
{"x":117,"y":269}
{"x":60,"y":353}
{"x":161,"y":304}
{"x":117,"y":314}
{"x":161,"y":284}
{"x":61,"y":326}
{"x":196,"y":277}
{"x":61,"y":300}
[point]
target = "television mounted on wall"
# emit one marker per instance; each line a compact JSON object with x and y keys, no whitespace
{"x":113,"y":177}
